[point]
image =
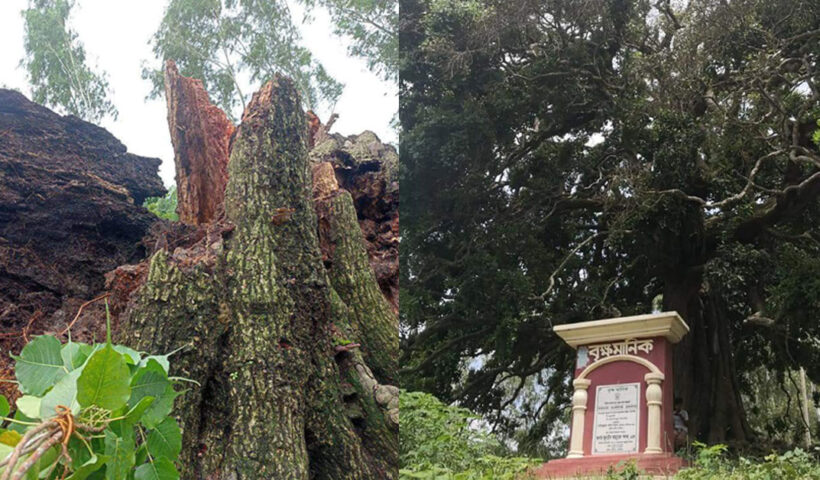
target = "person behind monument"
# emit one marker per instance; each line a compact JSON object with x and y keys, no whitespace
{"x":680,"y":422}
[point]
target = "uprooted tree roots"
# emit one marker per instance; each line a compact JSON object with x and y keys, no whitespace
{"x":42,"y":437}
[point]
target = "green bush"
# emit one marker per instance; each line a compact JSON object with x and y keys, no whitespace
{"x":164,"y":207}
{"x":711,"y":464}
{"x":90,"y":412}
{"x":444,"y":442}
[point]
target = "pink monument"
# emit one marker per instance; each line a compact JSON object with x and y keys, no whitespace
{"x":622,"y":405}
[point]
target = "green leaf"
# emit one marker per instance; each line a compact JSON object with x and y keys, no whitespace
{"x":20,"y":428}
{"x":160,"y":409}
{"x":133,"y":416}
{"x":64,"y":393}
{"x":90,"y":466}
{"x":165,"y":440}
{"x":129,"y":353}
{"x":142,"y":454}
{"x":29,"y":406}
{"x":39,"y":365}
{"x":161,"y":359}
{"x":75,"y":354}
{"x":104,"y":381}
{"x":4,"y":406}
{"x":120,"y":453}
{"x":159,"y":469}
{"x":150,"y":381}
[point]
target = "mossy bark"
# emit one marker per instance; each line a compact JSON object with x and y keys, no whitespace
{"x":371,"y":319}
{"x":256,"y":310}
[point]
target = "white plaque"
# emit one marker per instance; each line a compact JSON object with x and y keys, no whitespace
{"x":617,"y":414}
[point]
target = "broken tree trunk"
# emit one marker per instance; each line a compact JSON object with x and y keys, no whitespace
{"x":285,"y":391}
{"x":201,"y":135}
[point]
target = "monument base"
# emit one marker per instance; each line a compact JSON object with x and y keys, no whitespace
{"x":654,"y":464}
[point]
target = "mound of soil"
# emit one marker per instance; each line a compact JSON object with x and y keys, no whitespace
{"x":70,"y":211}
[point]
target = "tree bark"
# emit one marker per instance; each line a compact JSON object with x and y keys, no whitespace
{"x":269,"y":338}
{"x":201,"y":135}
{"x":704,"y":373}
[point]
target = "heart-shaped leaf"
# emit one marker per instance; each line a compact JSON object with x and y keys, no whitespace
{"x":165,"y":440}
{"x":104,"y":381}
{"x":150,"y":381}
{"x":159,"y":469}
{"x":39,"y":365}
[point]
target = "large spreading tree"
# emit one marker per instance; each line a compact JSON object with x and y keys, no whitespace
{"x":566,"y":161}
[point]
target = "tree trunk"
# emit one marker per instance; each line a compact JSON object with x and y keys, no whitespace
{"x":201,"y":136}
{"x":269,"y":336}
{"x":704,"y":372}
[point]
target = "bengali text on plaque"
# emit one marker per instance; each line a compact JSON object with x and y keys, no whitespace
{"x":617,"y":410}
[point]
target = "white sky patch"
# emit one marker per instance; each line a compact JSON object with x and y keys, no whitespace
{"x":116,"y":39}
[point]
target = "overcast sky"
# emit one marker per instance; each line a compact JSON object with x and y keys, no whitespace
{"x":116,"y":34}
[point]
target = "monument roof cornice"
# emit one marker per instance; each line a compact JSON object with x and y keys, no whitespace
{"x":665,"y":324}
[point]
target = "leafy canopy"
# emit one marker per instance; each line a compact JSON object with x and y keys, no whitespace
{"x":230,"y":43}
{"x":372,"y":28}
{"x":56,"y":63}
{"x":566,"y":161}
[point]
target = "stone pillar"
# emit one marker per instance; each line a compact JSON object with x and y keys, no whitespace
{"x":579,"y":410}
{"x":654,"y":402}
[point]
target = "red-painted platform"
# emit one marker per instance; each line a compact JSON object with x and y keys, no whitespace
{"x":658,"y":464}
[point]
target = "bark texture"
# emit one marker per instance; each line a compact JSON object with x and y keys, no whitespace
{"x":704,"y":357}
{"x":370,"y":318}
{"x":368,"y":169}
{"x":285,"y":393}
{"x":705,"y":374}
{"x":201,"y":134}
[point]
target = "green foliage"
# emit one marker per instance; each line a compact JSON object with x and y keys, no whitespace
{"x":775,"y":406}
{"x":112,"y":402}
{"x":39,"y":365}
{"x":221,"y":41}
{"x":372,"y":26}
{"x":711,"y":464}
{"x":226,"y":42}
{"x":165,"y":206}
{"x":56,"y":63}
{"x":567,"y":161}
{"x":445,"y":442}
{"x":624,"y":470}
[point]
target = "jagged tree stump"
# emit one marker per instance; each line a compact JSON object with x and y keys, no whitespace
{"x":284,"y":392}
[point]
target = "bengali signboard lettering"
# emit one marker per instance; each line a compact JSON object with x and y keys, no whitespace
{"x":617,"y":414}
{"x":630,"y":346}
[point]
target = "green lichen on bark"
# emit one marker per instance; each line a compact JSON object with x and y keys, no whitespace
{"x":372,"y":321}
{"x":178,"y":310}
{"x":259,"y":322}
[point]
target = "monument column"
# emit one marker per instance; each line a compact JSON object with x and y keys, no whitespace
{"x":579,"y":411}
{"x":654,"y":402}
{"x":622,"y":398}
